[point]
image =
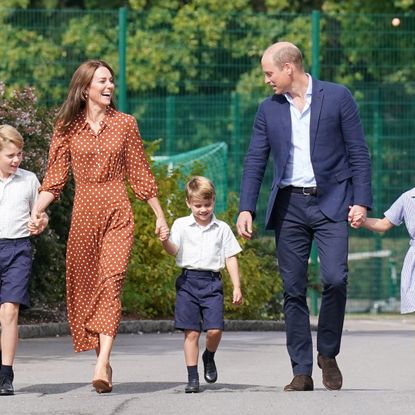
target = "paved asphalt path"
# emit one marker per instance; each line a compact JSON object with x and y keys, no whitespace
{"x":377,"y":360}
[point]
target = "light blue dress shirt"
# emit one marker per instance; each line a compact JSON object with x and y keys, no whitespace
{"x":299,"y":170}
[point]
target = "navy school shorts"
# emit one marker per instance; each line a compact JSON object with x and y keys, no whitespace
{"x":15,"y":269}
{"x":199,"y":301}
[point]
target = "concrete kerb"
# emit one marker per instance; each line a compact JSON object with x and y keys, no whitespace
{"x":147,"y":326}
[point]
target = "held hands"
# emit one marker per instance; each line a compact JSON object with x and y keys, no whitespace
{"x":244,"y":224}
{"x":37,"y":222}
{"x":357,"y":216}
{"x":162,"y":229}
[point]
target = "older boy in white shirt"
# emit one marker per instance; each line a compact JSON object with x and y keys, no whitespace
{"x":203,"y":245}
{"x":18,"y":192}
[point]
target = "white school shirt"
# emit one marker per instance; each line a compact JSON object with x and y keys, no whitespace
{"x":403,"y":210}
{"x":18,"y":193}
{"x":203,"y":247}
{"x":299,"y":170}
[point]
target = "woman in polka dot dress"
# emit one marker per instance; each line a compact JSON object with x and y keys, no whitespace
{"x":103,"y":147}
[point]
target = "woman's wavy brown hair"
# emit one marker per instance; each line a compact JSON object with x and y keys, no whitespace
{"x":75,"y":102}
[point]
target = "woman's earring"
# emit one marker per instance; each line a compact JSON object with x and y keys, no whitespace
{"x":84,"y":96}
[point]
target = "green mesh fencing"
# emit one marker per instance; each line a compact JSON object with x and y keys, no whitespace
{"x":212,"y":160}
{"x":194,"y":79}
{"x":42,"y":48}
{"x":374,"y":54}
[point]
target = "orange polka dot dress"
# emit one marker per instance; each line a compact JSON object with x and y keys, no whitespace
{"x":102,"y":226}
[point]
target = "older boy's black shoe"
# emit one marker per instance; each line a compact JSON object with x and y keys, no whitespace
{"x":6,"y":385}
{"x":192,"y":386}
{"x":210,"y":373}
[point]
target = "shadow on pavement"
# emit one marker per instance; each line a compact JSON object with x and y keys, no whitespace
{"x":140,"y":387}
{"x":148,"y":387}
{"x":125,"y":388}
{"x":51,"y":388}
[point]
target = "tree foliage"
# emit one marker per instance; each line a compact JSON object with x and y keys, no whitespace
{"x":187,"y":47}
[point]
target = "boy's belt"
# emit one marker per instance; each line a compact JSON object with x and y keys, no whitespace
{"x":190,"y":272}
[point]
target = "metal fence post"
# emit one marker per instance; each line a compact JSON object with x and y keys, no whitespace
{"x":315,"y":72}
{"x":377,"y":191}
{"x":170,"y":124}
{"x":122,"y":57}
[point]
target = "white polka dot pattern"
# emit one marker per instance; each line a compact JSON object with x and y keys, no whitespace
{"x":102,"y":226}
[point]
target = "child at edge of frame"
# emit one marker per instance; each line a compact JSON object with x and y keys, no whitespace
{"x":18,"y":192}
{"x":402,"y":210}
{"x":203,"y":245}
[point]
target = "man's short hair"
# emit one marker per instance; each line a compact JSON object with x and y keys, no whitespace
{"x":288,"y":54}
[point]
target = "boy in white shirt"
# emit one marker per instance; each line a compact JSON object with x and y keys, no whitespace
{"x":203,"y":245}
{"x":18,"y":192}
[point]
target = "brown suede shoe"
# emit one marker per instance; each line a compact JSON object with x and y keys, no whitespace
{"x":300,"y":383}
{"x":332,"y":377}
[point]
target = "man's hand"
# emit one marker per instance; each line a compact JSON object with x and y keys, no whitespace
{"x":357,"y":215}
{"x":244,"y":224}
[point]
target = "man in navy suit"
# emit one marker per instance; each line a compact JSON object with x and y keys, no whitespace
{"x":322,"y":180}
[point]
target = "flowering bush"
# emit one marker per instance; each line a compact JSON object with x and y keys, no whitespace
{"x":20,"y":109}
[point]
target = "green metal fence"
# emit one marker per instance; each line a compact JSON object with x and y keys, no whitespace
{"x":195,"y":80}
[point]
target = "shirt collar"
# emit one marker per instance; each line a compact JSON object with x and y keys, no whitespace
{"x":18,"y":173}
{"x":192,"y":221}
{"x":80,"y":122}
{"x":309,"y":91}
{"x":12,"y":176}
{"x":310,"y":85}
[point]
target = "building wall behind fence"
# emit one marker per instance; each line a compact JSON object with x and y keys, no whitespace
{"x":192,"y":87}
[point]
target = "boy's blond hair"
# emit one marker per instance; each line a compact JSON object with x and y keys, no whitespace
{"x":200,"y":188}
{"x":9,"y":134}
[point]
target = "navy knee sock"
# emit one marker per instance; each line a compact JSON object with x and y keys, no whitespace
{"x":192,"y":373}
{"x":208,"y":356}
{"x":6,"y":370}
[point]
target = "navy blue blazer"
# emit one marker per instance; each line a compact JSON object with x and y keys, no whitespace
{"x":339,"y":153}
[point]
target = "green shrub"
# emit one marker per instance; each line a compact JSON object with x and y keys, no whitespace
{"x":149,"y":290}
{"x":149,"y":287}
{"x":260,"y":281}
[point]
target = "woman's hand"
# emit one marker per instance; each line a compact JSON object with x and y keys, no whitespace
{"x":38,"y":222}
{"x":162,"y":229}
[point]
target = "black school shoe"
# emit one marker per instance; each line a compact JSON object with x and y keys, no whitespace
{"x":192,"y":386}
{"x":6,"y":385}
{"x":211,"y":374}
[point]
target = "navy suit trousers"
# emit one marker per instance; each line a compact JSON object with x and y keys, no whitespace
{"x":298,"y":220}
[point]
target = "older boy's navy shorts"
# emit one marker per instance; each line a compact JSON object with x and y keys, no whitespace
{"x":199,"y":301}
{"x":15,"y":269}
